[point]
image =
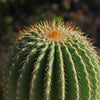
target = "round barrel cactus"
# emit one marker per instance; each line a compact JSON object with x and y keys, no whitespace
{"x":52,"y":61}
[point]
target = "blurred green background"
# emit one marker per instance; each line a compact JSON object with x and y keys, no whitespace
{"x":16,"y":14}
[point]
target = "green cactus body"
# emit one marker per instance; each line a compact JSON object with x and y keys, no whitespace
{"x":52,"y":61}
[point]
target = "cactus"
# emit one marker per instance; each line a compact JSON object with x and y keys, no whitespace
{"x":52,"y":61}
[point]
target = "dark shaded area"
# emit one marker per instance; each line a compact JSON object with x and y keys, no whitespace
{"x":16,"y":14}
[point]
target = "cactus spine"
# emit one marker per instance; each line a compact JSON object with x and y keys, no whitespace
{"x":52,"y":61}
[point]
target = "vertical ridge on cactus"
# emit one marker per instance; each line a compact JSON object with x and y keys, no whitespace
{"x":93,"y":79}
{"x":82,"y":73}
{"x":52,"y":61}
{"x":48,"y":73}
{"x":72,"y":83}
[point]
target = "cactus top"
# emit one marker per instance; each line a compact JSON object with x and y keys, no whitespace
{"x":52,"y":31}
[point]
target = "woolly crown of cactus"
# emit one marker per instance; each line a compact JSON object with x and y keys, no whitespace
{"x":52,"y":61}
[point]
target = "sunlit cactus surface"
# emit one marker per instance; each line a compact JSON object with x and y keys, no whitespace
{"x":52,"y":61}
